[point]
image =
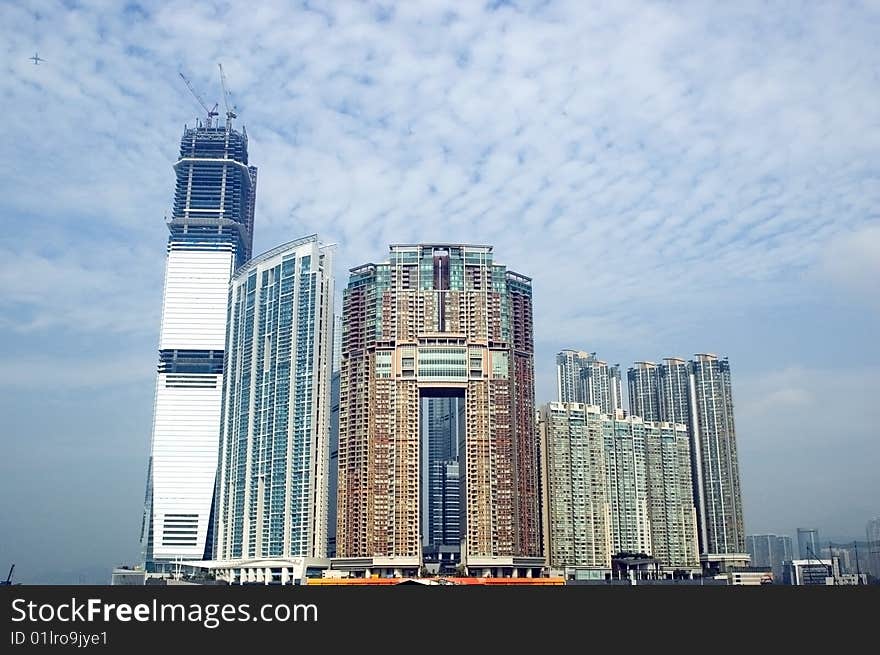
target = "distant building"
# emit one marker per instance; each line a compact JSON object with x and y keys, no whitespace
{"x":673,"y":390}
{"x":803,"y":572}
{"x":442,"y":431}
{"x":750,"y":576}
{"x":644,"y":391}
{"x":854,"y":556}
{"x":443,"y":550}
{"x":446,"y":503}
{"x":785,"y":550}
{"x":770,"y":550}
{"x":581,"y":377}
{"x":872,"y":530}
{"x":543,"y":481}
{"x":844,"y":555}
{"x":808,"y":543}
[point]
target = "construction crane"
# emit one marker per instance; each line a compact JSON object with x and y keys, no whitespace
{"x":210,"y":112}
{"x":230,"y":113}
{"x":9,"y":577}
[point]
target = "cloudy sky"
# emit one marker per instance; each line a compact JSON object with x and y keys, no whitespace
{"x":676,"y":178}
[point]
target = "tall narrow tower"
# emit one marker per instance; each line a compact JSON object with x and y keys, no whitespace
{"x":698,"y":394}
{"x":872,"y":531}
{"x":274,"y":441}
{"x":577,"y":503}
{"x":437,"y":321}
{"x":714,"y":439}
{"x":211,"y":234}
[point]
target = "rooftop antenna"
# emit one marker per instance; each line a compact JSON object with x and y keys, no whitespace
{"x":230,"y":113}
{"x":811,"y":555}
{"x":210,"y":112}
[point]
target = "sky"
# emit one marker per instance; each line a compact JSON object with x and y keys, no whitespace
{"x":676,"y":178}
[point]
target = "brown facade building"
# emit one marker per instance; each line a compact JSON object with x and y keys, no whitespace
{"x":437,"y":321}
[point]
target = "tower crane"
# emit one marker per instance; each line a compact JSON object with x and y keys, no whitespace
{"x":210,"y":112}
{"x":230,"y":113}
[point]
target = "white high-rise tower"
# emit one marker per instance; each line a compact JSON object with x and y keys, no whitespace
{"x":211,"y":235}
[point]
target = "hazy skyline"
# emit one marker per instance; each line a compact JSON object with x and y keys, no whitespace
{"x":676,"y":178}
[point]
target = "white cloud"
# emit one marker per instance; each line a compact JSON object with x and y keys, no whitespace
{"x":631,"y":157}
{"x":106,"y":290}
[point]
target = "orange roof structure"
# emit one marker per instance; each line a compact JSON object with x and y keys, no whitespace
{"x":490,"y":582}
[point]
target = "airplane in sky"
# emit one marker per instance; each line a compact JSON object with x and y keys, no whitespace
{"x":36,"y":59}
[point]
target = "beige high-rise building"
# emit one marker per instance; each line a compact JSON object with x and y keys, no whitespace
{"x":576,"y":501}
{"x":627,"y":480}
{"x":582,"y":377}
{"x":648,"y":470}
{"x":615,"y":484}
{"x":437,"y":320}
{"x":644,"y":395}
{"x":671,"y":509}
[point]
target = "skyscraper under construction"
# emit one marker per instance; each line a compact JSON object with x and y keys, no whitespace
{"x":211,"y":234}
{"x":438,"y":321}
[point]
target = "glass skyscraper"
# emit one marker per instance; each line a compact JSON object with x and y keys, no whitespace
{"x":274,"y":441}
{"x":211,"y":234}
{"x":442,"y":432}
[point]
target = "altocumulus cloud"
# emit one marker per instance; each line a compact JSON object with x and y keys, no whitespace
{"x":699,"y":149}
{"x":671,"y":175}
